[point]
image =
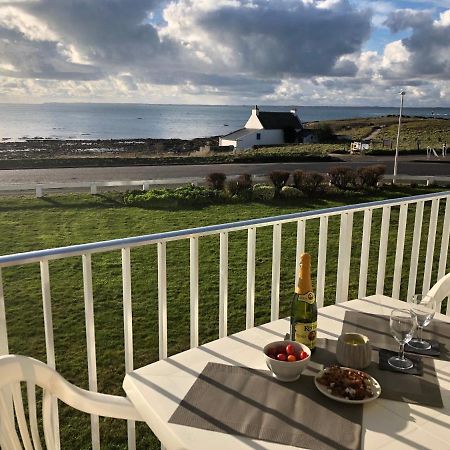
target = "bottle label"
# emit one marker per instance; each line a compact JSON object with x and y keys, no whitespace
{"x":305,"y":333}
{"x":309,"y":297}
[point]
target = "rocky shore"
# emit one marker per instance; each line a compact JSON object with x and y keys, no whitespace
{"x":110,"y":148}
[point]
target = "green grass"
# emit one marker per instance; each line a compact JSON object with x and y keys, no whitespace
{"x":429,"y":132}
{"x":30,"y":224}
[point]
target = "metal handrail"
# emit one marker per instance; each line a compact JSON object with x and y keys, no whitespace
{"x":116,"y":244}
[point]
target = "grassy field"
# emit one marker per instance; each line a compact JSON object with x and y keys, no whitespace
{"x":30,"y":224}
{"x":429,"y":132}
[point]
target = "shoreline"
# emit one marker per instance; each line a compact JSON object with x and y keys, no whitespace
{"x":98,"y":148}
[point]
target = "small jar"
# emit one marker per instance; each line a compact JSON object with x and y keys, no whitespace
{"x":354,"y":351}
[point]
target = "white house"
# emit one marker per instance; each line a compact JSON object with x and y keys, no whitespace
{"x":266,"y":128}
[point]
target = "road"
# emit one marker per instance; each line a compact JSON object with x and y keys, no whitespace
{"x":408,"y":165}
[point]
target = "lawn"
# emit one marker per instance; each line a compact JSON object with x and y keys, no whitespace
{"x":30,"y":224}
{"x":429,"y":132}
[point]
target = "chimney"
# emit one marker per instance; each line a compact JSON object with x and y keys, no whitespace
{"x":255,"y":110}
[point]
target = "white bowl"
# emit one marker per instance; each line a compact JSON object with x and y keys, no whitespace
{"x":286,"y":370}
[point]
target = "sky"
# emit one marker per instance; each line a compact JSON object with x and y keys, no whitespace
{"x":274,"y":52}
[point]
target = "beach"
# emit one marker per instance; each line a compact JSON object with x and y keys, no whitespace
{"x":126,"y":148}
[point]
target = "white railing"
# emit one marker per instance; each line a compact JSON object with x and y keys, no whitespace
{"x":429,"y":216}
{"x":94,"y":186}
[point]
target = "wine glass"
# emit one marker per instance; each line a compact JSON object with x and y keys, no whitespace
{"x":402,"y":323}
{"x":423,"y":307}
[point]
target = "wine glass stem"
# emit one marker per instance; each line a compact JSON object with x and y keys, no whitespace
{"x":420,"y":334}
{"x":401,"y":353}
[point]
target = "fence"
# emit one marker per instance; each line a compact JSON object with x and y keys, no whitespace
{"x":93,"y":186}
{"x":406,"y":251}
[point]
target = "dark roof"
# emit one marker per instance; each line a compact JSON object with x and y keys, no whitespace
{"x":278,"y":120}
{"x":240,"y":133}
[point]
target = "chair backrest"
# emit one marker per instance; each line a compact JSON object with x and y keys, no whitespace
{"x":440,"y":291}
{"x":15,"y":369}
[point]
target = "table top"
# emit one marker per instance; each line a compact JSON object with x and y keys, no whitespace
{"x":157,"y":389}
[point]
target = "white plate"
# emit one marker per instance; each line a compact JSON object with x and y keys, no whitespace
{"x":376,"y":389}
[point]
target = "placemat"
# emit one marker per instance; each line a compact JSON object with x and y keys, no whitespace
{"x":383,"y":363}
{"x":401,"y":387}
{"x":251,"y":403}
{"x":376,"y":328}
{"x":434,"y":350}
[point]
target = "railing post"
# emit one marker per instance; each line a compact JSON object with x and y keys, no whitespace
{"x":128,"y":331}
{"x":251,"y":252}
{"x":322,"y":260}
{"x":382,"y":254}
{"x":276,"y":264}
{"x":223,"y":285}
{"x":399,"y":251}
{"x":162,"y":300}
{"x":194,"y":290}
{"x":49,"y":340}
{"x":90,"y":342}
{"x":417,"y":235}
{"x":300,"y":247}
{"x":444,"y":247}
{"x":4,"y":350}
{"x":430,"y":246}
{"x":444,"y":241}
{"x":345,"y":249}
{"x":365,"y":250}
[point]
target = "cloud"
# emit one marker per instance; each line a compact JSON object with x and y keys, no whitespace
{"x":282,"y":38}
{"x":426,"y":52}
{"x":222,"y":51}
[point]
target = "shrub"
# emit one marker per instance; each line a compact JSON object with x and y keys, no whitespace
{"x":241,"y":186}
{"x":185,"y":195}
{"x":194,"y":194}
{"x":343,"y":177}
{"x":279,"y":178}
{"x":216,"y":180}
{"x":309,"y":183}
{"x":325,"y":133}
{"x":263,"y":192}
{"x":290,"y":192}
{"x":369,"y":177}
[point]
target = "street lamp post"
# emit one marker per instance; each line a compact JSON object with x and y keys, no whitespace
{"x":402,"y":94}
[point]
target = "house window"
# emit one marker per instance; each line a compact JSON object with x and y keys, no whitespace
{"x":258,"y":136}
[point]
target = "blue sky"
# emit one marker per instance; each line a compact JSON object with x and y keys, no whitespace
{"x":304,"y":52}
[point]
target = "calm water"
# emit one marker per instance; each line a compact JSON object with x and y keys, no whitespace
{"x":117,"y":121}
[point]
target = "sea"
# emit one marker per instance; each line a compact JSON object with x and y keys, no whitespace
{"x":20,"y":122}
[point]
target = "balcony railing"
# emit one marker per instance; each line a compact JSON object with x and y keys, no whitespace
{"x":409,"y":235}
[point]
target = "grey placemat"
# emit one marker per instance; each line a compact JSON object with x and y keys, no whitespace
{"x":249,"y":402}
{"x":421,"y":390}
{"x":376,"y":328}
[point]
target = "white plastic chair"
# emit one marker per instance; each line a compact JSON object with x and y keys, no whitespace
{"x":15,"y":369}
{"x":440,"y":291}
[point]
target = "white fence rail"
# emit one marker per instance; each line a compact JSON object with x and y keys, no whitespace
{"x":426,"y":214}
{"x":94,"y":186}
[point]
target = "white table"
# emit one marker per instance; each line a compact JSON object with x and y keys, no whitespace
{"x":157,"y":389}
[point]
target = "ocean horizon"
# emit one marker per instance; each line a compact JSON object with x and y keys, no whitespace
{"x":92,"y":121}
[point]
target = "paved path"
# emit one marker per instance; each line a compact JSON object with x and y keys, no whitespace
{"x":408,"y":165}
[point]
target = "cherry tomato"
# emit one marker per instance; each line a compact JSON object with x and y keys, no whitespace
{"x":281,"y":356}
{"x":303,"y":355}
{"x":291,"y":358}
{"x":290,"y":349}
